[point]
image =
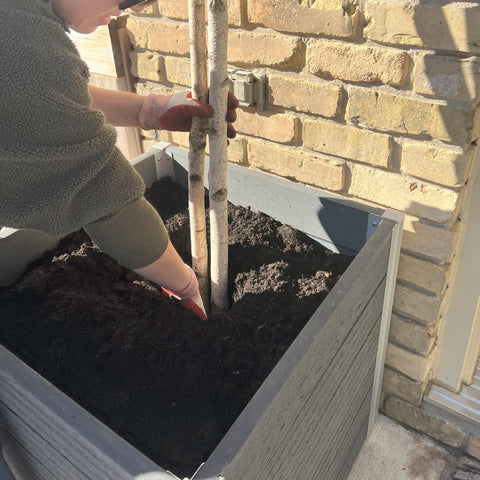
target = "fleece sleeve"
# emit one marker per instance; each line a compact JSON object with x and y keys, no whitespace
{"x":59,"y":166}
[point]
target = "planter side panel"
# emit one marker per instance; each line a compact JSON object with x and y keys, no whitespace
{"x":337,"y":223}
{"x":310,"y":417}
{"x":50,"y":437}
{"x":18,"y":249}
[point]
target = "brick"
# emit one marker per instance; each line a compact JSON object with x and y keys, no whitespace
{"x":412,"y":116}
{"x":310,"y":96}
{"x":347,"y":142}
{"x":429,"y":241}
{"x":149,"y":10}
{"x":166,"y":36}
{"x":424,"y":308}
{"x":147,"y":144}
{"x":432,"y":25}
{"x":281,"y":128}
{"x":412,"y":335}
{"x":418,"y":419}
{"x":178,"y":10}
{"x":439,"y":164}
{"x":147,"y":65}
{"x":236,"y":12}
{"x":264,"y":49}
{"x":416,"y":367}
{"x":181,"y":139}
{"x":175,"y":9}
{"x":423,"y":273}
{"x":447,"y":77}
{"x":297,"y":164}
{"x":393,"y":190}
{"x":403,"y":387}
{"x":357,"y":63}
{"x":178,"y":71}
{"x":237,"y":150}
{"x":147,"y":88}
{"x":304,"y":16}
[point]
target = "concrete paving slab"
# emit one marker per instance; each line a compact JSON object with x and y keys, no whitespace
{"x":394,"y":453}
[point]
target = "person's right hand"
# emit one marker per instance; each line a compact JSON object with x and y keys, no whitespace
{"x":171,"y":112}
{"x":232,"y":105}
{"x":174,"y":112}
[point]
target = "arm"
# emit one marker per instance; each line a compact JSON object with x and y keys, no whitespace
{"x":120,"y":108}
{"x":159,"y":112}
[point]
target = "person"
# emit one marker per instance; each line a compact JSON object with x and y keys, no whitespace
{"x":59,"y":167}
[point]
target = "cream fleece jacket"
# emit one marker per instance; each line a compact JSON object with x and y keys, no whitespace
{"x":59,"y":166}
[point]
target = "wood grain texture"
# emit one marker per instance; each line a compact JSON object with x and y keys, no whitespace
{"x":349,"y":459}
{"x":100,"y":50}
{"x":128,"y":138}
{"x":25,"y":465}
{"x":286,"y":407}
{"x":63,"y":440}
{"x":105,"y":52}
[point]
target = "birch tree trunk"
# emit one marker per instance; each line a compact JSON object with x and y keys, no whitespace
{"x":217,"y":175}
{"x":197,"y":143}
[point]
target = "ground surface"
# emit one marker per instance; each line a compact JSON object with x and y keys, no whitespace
{"x":167,"y":382}
{"x":394,"y":453}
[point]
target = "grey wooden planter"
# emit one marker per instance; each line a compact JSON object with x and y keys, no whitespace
{"x":312,"y":414}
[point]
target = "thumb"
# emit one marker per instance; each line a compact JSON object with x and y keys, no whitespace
{"x":182,"y":98}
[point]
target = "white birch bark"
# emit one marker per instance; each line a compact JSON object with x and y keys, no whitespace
{"x":197,"y":143}
{"x":217,"y":175}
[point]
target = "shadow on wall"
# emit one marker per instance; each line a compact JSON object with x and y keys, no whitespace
{"x":449,"y":72}
{"x":445,"y":28}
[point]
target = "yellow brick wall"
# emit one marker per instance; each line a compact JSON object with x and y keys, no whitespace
{"x":372,"y":99}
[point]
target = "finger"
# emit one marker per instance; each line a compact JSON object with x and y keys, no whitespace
{"x":231,"y":132}
{"x":231,"y":115}
{"x":232,"y":101}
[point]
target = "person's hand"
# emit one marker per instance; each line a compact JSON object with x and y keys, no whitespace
{"x":175,"y":112}
{"x":171,"y":112}
{"x":189,"y":297}
{"x":232,"y":105}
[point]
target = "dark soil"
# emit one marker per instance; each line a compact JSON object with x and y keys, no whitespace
{"x":168,"y":383}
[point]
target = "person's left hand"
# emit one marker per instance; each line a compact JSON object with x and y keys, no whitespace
{"x":175,"y":112}
{"x":189,"y":297}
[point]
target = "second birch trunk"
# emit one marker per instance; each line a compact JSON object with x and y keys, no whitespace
{"x":217,"y":175}
{"x":197,"y":143}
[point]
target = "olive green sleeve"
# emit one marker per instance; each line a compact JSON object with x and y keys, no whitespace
{"x":135,"y":236}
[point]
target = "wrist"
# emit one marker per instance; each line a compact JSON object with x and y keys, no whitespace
{"x":152,"y":108}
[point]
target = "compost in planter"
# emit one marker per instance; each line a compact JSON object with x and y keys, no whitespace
{"x":167,"y":382}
